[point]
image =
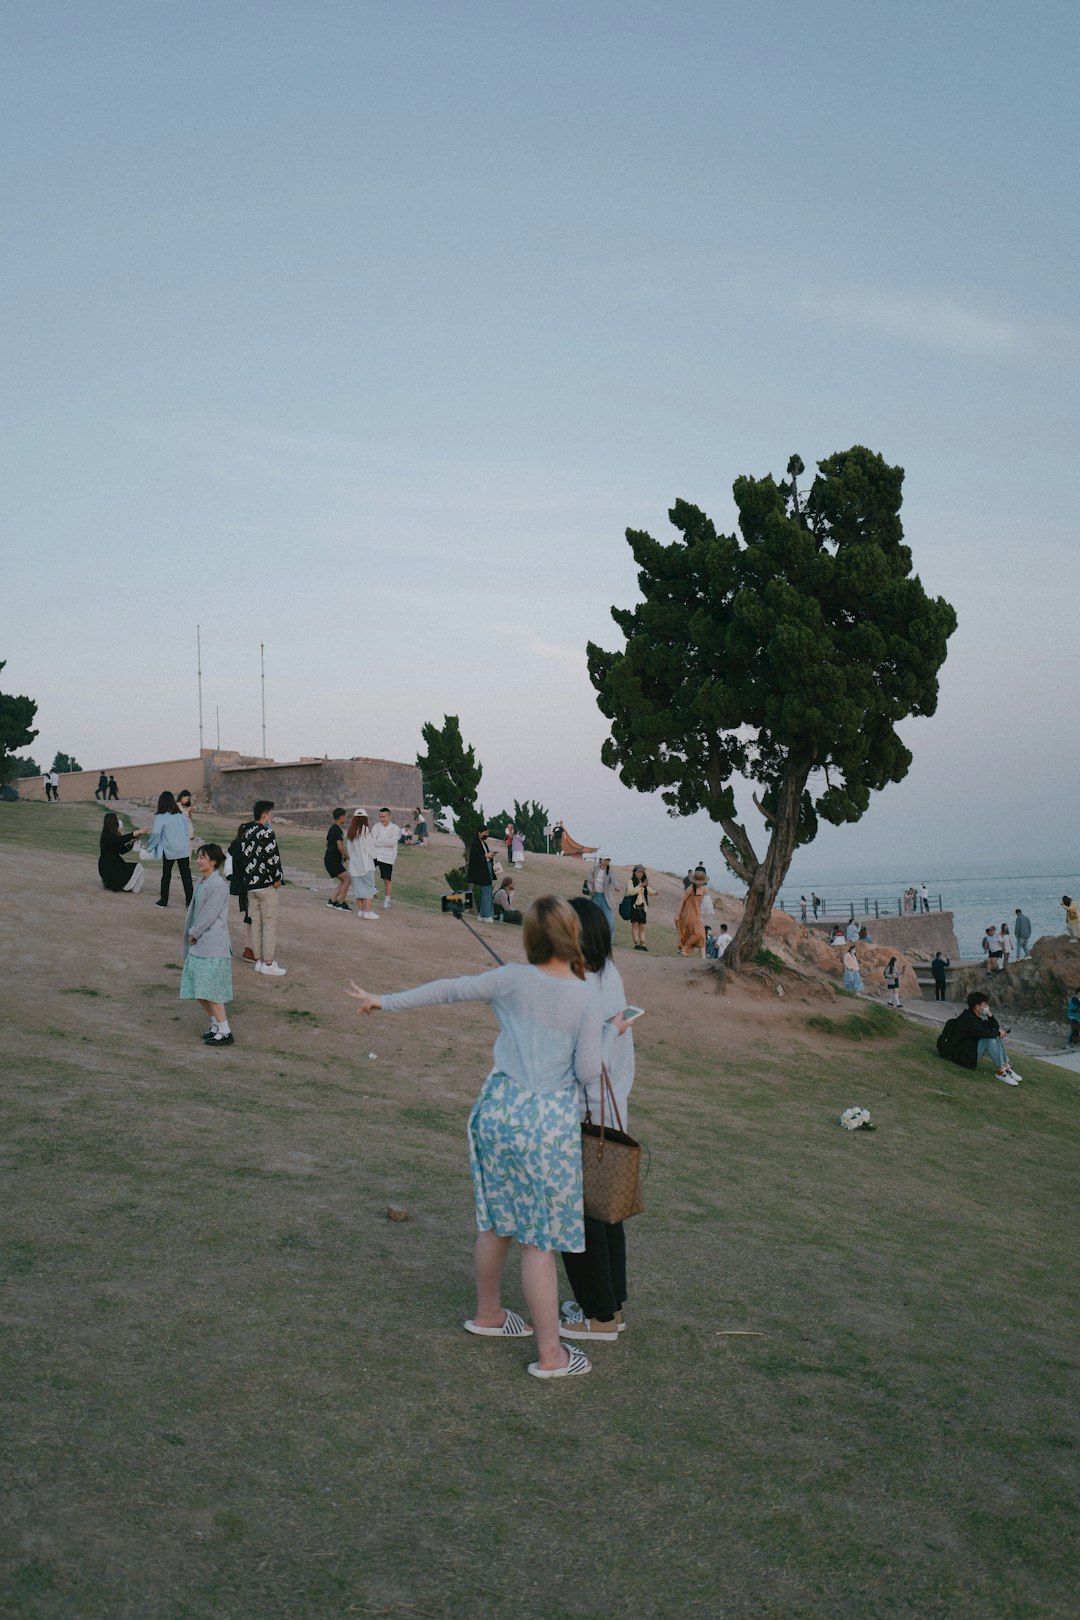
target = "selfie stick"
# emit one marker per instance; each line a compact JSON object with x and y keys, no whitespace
{"x":483,"y":942}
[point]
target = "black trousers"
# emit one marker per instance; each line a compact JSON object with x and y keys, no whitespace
{"x":597,"y":1278}
{"x":184,"y":865}
{"x":939,"y":990}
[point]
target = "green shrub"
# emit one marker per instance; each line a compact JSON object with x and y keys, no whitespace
{"x":870,"y":1025}
{"x":768,"y":959}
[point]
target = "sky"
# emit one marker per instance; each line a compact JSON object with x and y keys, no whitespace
{"x":365,"y":330}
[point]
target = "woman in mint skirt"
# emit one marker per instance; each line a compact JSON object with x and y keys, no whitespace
{"x":207,"y":975}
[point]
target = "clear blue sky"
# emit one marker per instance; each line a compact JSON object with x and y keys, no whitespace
{"x":365,"y":330}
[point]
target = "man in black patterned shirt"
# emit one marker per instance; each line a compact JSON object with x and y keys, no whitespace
{"x":261,"y":864}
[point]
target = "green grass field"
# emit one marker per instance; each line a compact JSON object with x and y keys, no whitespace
{"x":232,"y":1388}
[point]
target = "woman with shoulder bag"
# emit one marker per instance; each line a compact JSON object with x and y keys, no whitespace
{"x":638,"y":895}
{"x":525,"y":1128}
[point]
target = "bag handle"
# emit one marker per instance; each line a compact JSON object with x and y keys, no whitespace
{"x":606,"y":1091}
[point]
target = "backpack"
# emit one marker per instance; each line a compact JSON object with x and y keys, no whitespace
{"x":946,"y":1038}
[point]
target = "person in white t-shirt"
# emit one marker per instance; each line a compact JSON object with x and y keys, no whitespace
{"x":386,"y":835}
{"x":723,"y":940}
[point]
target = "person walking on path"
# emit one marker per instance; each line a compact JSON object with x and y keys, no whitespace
{"x":597,"y":1277}
{"x":604,"y":891}
{"x":892,"y":983}
{"x":170,"y":841}
{"x":480,"y":873}
{"x":637,"y":892}
{"x":1072,"y":918}
{"x":975,"y":1033}
{"x":114,"y":791}
{"x":802,"y":907}
{"x":525,"y":1128}
{"x":508,"y":840}
{"x":52,"y":786}
{"x":263,"y":876}
{"x":387,"y":836}
{"x":689,"y":928}
{"x":361,"y":850}
{"x":852,"y":975}
{"x":1021,"y":933}
{"x":102,"y":789}
{"x":334,"y":860}
{"x":116,"y":874}
{"x":937,"y":972}
{"x":207,"y":975}
{"x":815,"y":904}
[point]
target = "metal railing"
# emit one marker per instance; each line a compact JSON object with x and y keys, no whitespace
{"x":830,"y":909}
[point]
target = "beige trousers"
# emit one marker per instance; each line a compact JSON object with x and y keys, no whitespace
{"x":263,"y":904}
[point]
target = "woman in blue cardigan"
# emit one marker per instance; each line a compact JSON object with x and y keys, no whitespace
{"x":170,"y":839}
{"x":207,"y":975}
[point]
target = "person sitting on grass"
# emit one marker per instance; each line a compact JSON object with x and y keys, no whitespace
{"x":975,"y":1033}
{"x":503,"y":902}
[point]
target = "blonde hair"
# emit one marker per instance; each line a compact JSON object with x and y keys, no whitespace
{"x":552,"y":932}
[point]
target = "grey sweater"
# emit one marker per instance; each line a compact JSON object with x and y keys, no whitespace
{"x":208,"y":918}
{"x":549,"y":1029}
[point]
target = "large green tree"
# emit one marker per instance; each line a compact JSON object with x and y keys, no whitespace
{"x":786,"y":655}
{"x":16,"y":713}
{"x":451,"y":775}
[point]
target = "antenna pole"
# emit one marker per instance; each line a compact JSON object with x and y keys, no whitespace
{"x":198,"y":660}
{"x":262,"y":678}
{"x":217,"y":712}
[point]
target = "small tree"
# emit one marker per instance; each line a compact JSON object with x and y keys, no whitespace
{"x":16,"y":713}
{"x":786,"y":656}
{"x":451,"y":776}
{"x":65,"y":763}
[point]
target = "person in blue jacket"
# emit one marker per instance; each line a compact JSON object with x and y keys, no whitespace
{"x":170,"y":840}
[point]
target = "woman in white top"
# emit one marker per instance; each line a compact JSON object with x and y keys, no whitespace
{"x":361,"y":847}
{"x":598,"y":1277}
{"x":525,"y":1128}
{"x":1005,"y":940}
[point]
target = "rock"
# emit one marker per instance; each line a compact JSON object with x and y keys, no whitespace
{"x":396,"y":1212}
{"x":1040,"y":984}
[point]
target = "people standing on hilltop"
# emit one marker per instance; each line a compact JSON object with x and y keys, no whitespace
{"x":508,"y":840}
{"x":169,"y":840}
{"x":937,"y":973}
{"x":207,"y":975}
{"x":1072,"y":917}
{"x":892,"y":983}
{"x":1005,"y":939}
{"x":480,"y":872}
{"x":361,"y":868}
{"x":597,"y":1276}
{"x":604,"y":890}
{"x":102,"y":789}
{"x":517,"y":849}
{"x":637,"y":893}
{"x":116,"y":874}
{"x":263,"y":877}
{"x":557,"y":836}
{"x":334,"y":861}
{"x":975,"y":1033}
{"x":234,"y":870}
{"x":421,"y":825}
{"x":1021,"y":933}
{"x":991,"y":947}
{"x":689,"y":928}
{"x":183,"y":802}
{"x":387,"y":836}
{"x":525,"y":1128}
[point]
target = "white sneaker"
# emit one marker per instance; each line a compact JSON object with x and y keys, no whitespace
{"x":370,"y":916}
{"x":258,"y":965}
{"x":387,"y":903}
{"x":1008,"y":1077}
{"x":272,"y":971}
{"x":1015,"y":1077}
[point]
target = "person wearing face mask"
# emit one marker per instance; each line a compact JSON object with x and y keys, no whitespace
{"x":262,"y":874}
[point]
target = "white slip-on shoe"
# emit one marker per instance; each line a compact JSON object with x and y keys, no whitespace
{"x":273,"y":971}
{"x":577,"y":1363}
{"x":513,"y":1327}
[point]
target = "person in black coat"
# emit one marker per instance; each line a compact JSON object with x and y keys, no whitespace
{"x":976,"y":1031}
{"x":480,"y":873}
{"x":116,"y":874}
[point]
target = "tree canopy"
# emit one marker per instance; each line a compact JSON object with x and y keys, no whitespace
{"x":65,"y":763}
{"x":16,"y":731}
{"x":529,"y":818}
{"x":451,"y":775}
{"x":786,"y":655}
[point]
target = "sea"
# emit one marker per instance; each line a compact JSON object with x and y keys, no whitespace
{"x":976,"y":895}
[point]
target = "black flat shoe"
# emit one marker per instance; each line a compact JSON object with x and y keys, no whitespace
{"x":162,"y":904}
{"x":219,"y":1040}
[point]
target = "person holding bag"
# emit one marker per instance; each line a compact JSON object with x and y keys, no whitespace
{"x":525,"y":1128}
{"x":637,"y":894}
{"x":598,"y":1276}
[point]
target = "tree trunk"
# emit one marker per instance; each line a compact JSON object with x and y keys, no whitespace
{"x":773,"y":869}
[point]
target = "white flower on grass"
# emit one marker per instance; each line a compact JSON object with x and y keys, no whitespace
{"x":857,"y":1119}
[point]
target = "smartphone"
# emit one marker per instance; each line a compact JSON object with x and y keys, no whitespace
{"x":630,"y":1013}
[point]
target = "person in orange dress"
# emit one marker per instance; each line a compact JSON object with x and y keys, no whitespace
{"x":688,"y":924}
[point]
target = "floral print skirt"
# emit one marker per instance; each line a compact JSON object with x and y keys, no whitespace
{"x":206,"y":978}
{"x":525,"y":1156}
